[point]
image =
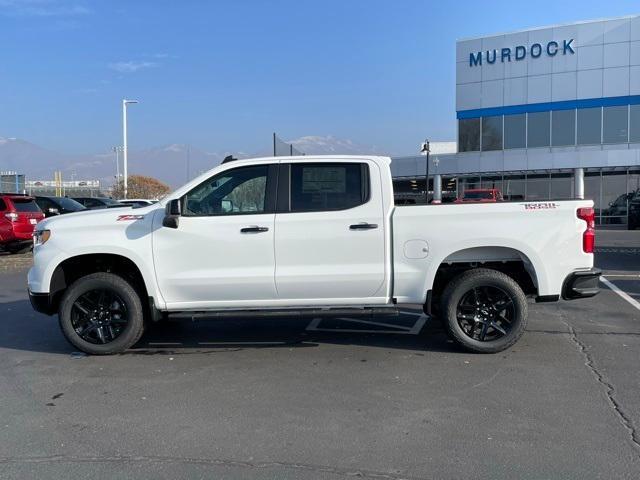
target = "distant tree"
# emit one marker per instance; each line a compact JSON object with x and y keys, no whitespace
{"x":141,"y":186}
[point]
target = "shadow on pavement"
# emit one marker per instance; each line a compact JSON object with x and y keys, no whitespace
{"x":23,"y":329}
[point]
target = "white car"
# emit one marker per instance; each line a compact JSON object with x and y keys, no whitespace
{"x":309,"y":235}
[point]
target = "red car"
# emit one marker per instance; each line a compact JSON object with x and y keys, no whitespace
{"x":18,"y":217}
{"x":480,"y":195}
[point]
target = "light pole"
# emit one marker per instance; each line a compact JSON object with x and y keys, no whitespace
{"x":424,"y":150}
{"x":117,"y":151}
{"x":125,"y":102}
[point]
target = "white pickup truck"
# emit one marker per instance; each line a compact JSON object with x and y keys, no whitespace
{"x":308,"y":235}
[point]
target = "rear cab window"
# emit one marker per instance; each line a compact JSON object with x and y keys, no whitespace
{"x":319,"y":187}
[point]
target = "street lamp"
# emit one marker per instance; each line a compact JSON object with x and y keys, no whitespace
{"x":117,"y":151}
{"x":124,"y":142}
{"x":424,"y":150}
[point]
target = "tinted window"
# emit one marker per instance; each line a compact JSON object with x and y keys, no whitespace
{"x":563,"y":128}
{"x":491,"y":133}
{"x":69,"y":205}
{"x":615,"y":127}
{"x":469,"y":135}
{"x":24,"y":205}
{"x":634,"y":126}
{"x":3,"y":206}
{"x":328,"y":186}
{"x":538,"y":129}
{"x":478,"y":195}
{"x":515,"y":131}
{"x":92,"y":202}
{"x":237,"y":191}
{"x":45,"y":204}
{"x":589,"y":126}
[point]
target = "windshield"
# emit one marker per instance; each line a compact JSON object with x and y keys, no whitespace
{"x":69,"y":205}
{"x":109,"y":201}
{"x":479,"y":195}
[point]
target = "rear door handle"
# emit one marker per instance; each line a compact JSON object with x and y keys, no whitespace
{"x":254,"y":229}
{"x":363,"y":226}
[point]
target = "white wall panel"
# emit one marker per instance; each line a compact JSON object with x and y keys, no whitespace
{"x":467,"y":74}
{"x":539,"y":89}
{"x":515,"y":91}
{"x":634,"y":54}
{"x":465,"y":47}
{"x":634,"y":80}
{"x":591,"y":33}
{"x":616,"y":55}
{"x":590,"y":57}
{"x":468,"y":96}
{"x":563,"y":86}
{"x":492,"y":93}
{"x":615,"y":82}
{"x":617,"y":30}
{"x":589,"y":84}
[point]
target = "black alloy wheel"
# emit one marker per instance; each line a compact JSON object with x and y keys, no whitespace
{"x":485,"y":313}
{"x":99,"y":316}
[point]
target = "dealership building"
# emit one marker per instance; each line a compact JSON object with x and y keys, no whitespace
{"x":546,"y":113}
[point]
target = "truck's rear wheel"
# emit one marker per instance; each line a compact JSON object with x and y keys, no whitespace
{"x":101,"y":314}
{"x":484,"y":310}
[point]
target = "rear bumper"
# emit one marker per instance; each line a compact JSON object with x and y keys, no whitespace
{"x":581,"y":284}
{"x":41,"y":302}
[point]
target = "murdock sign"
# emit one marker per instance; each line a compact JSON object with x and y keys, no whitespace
{"x":520,"y":52}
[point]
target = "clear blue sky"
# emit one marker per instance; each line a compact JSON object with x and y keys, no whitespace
{"x":225,"y":74}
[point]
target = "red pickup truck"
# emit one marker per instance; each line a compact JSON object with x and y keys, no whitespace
{"x":480,"y":195}
{"x":18,"y":217}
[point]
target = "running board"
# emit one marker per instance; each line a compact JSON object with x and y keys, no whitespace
{"x":339,"y":311}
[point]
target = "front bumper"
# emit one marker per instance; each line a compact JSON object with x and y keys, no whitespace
{"x":581,"y":284}
{"x":41,"y":302}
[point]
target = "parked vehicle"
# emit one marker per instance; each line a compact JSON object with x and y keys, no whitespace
{"x":137,"y":202}
{"x":96,"y":203}
{"x":480,"y":195}
{"x":18,"y":217}
{"x":309,"y":236}
{"x":52,"y":206}
{"x":634,"y":211}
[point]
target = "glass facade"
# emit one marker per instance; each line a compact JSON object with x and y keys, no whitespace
{"x":469,"y":135}
{"x":563,"y":128}
{"x":515,"y":131}
{"x":558,"y":128}
{"x":491,"y":133}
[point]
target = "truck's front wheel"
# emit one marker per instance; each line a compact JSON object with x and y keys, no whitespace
{"x":101,"y":314}
{"x":484,"y":310}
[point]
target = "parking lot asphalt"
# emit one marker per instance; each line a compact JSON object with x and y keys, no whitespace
{"x":382,"y":398}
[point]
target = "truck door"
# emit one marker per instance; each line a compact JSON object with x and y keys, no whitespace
{"x":329,"y":233}
{"x":221,"y":254}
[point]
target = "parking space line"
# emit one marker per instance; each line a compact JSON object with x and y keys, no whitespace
{"x":620,"y":292}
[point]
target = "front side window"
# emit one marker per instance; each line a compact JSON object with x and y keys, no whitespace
{"x":328,"y":186}
{"x":238,"y":191}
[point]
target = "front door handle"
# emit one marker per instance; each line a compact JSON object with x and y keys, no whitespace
{"x":363,"y":226}
{"x":254,"y":229}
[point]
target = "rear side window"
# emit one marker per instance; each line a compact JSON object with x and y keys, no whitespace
{"x":328,"y":186}
{"x":3,"y":206}
{"x":24,"y":205}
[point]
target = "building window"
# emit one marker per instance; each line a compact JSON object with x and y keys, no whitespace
{"x":538,"y":187}
{"x":491,"y":133}
{"x":614,"y":198}
{"x":514,"y":187}
{"x":538,"y":130}
{"x":634,"y":124}
{"x":563,"y":128}
{"x":515,"y":131}
{"x":561,"y":186}
{"x":589,"y":126}
{"x":615,"y":127}
{"x":469,"y":135}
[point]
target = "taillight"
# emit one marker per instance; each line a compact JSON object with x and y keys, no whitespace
{"x":589,"y":236}
{"x":12,"y":216}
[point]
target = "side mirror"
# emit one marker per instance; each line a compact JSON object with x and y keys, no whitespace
{"x":172,"y":214}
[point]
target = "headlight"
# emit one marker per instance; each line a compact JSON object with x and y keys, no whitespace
{"x":40,"y":237}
